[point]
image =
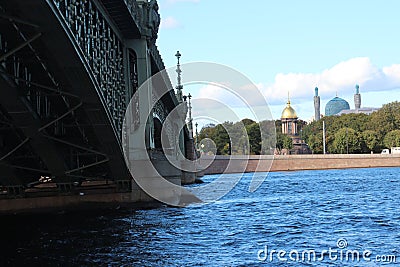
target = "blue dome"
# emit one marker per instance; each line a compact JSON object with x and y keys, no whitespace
{"x":335,"y":105}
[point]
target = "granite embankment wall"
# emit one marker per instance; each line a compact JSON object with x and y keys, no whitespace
{"x":239,"y":164}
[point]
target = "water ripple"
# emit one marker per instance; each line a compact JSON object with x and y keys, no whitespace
{"x":291,"y":210}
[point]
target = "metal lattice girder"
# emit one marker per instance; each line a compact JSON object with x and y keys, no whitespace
{"x":94,"y":152}
{"x":14,"y":149}
{"x":71,"y":101}
{"x":17,"y":20}
{"x":81,"y":51}
{"x":19,"y":47}
{"x":102,"y":51}
{"x":30,"y":124}
{"x":42,"y":128}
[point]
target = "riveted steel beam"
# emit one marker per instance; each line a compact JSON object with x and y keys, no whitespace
{"x":19,"y":47}
{"x":17,"y":20}
{"x":15,"y":149}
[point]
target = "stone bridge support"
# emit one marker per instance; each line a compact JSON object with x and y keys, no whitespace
{"x":142,"y":137}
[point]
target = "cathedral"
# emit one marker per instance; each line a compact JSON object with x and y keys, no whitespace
{"x":289,"y":121}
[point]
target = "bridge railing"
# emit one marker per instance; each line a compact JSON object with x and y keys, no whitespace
{"x":102,"y":52}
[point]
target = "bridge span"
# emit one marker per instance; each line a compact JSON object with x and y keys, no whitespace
{"x":68,"y":69}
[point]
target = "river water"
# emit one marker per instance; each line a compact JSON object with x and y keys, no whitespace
{"x":334,"y":213}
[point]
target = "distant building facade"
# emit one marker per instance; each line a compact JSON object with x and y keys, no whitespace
{"x":367,"y":111}
{"x":339,"y":106}
{"x":289,"y":121}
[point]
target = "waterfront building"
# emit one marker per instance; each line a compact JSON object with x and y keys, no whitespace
{"x":339,"y":106}
{"x":289,"y":121}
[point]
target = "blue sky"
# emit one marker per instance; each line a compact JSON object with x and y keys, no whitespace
{"x":290,"y":46}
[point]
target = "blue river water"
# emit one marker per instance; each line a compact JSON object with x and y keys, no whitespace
{"x":334,"y":213}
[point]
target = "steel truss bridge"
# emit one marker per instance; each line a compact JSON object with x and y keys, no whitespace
{"x":68,"y":69}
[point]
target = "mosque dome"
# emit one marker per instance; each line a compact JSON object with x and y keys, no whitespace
{"x":335,"y":105}
{"x":288,"y":112}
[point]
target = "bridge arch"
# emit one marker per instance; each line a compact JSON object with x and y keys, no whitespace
{"x":68,"y":71}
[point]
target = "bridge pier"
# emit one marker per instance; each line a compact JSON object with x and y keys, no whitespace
{"x":143,"y":66}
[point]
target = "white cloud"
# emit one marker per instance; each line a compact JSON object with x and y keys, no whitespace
{"x":233,"y":96}
{"x":392,"y":74}
{"x":169,"y":23}
{"x":340,"y":78}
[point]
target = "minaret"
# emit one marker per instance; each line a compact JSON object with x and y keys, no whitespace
{"x":357,"y":97}
{"x":179,"y":87}
{"x":317,"y":105}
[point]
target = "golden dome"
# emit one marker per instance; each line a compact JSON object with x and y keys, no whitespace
{"x":289,"y":112}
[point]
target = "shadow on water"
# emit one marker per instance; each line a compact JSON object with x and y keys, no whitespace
{"x":72,"y":238}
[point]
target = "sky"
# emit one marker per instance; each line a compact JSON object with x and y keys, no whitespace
{"x":289,"y":46}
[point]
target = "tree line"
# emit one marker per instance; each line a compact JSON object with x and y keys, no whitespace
{"x":348,"y":133}
{"x":356,"y":133}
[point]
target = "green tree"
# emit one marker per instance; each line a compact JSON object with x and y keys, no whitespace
{"x":221,"y":139}
{"x":367,"y":134}
{"x":356,"y":121}
{"x":254,"y":135}
{"x":392,"y":139}
{"x":279,"y":140}
{"x":312,"y":133}
{"x":287,"y":142}
{"x":247,"y":122}
{"x":315,"y":143}
{"x":386,"y":119}
{"x":369,"y":140}
{"x":300,"y":125}
{"x":346,"y":140}
{"x":205,"y":139}
{"x":207,"y":132}
{"x":239,"y":139}
{"x":283,"y":141}
{"x":268,"y":137}
{"x":225,"y":150}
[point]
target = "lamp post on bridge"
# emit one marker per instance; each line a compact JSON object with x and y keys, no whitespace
{"x":190,"y":120}
{"x":179,"y":86}
{"x":197,"y":136}
{"x":180,"y":98}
